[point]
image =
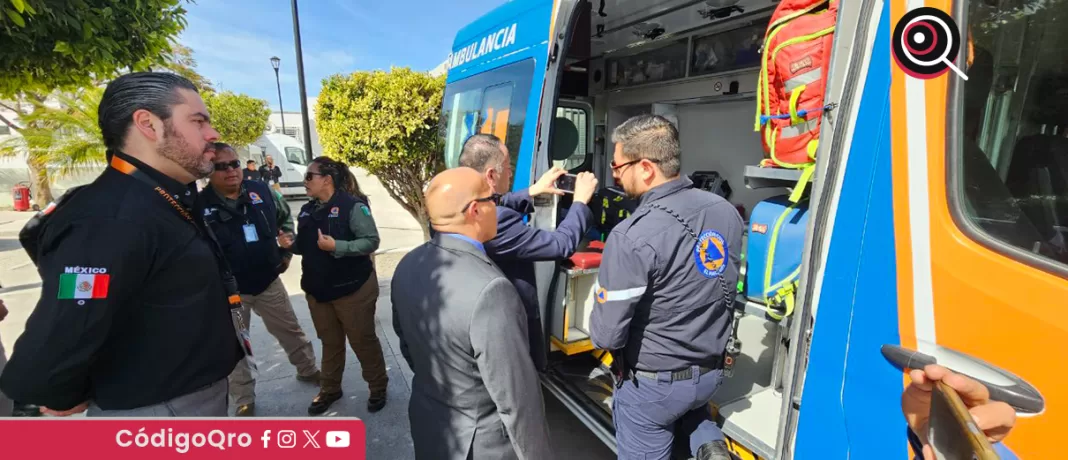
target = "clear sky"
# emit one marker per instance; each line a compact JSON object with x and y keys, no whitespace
{"x":233,"y":40}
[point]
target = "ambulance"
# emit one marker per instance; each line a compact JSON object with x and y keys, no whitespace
{"x":933,"y":218}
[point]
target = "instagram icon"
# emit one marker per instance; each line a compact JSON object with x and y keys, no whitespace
{"x":287,"y":439}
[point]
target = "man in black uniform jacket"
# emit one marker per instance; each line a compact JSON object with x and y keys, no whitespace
{"x":250,"y":171}
{"x":134,"y":318}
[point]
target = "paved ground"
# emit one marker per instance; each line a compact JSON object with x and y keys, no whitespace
{"x":279,"y":394}
{"x":399,"y":229}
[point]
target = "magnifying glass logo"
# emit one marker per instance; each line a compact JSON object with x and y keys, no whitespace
{"x":926,"y":42}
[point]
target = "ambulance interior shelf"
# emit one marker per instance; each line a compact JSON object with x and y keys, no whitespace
{"x":757,"y":177}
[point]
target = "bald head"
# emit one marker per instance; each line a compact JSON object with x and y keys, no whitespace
{"x":450,"y":191}
{"x":457,"y":202}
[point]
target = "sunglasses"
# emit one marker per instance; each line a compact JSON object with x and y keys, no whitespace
{"x":495,"y":198}
{"x":230,"y":165}
{"x":309,"y":176}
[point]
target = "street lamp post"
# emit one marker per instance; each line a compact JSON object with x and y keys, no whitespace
{"x":300,"y":81}
{"x":275,"y":62}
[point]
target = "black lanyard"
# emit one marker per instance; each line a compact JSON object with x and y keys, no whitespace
{"x":229,"y":282}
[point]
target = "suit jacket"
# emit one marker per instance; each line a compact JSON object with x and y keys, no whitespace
{"x":517,"y":246}
{"x":475,"y":393}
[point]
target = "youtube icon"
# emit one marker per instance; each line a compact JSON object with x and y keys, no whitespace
{"x":337,"y":439}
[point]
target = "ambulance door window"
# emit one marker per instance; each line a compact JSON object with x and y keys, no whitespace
{"x":1012,"y":165}
{"x":577,"y":126}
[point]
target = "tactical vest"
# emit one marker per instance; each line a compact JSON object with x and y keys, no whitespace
{"x":254,"y":263}
{"x":325,"y":277}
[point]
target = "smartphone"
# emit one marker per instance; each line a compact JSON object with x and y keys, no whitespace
{"x":952,"y":433}
{"x":566,"y":183}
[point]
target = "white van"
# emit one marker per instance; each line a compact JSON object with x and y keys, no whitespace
{"x":288,"y":155}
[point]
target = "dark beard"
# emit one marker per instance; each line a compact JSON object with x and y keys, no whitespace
{"x":176,"y":149}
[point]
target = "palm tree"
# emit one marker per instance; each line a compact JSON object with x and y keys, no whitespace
{"x":61,"y":139}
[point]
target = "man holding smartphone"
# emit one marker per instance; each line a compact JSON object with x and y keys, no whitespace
{"x":517,"y":245}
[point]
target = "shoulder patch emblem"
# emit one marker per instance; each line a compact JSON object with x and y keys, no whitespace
{"x":365,"y":209}
{"x":255,"y":197}
{"x":710,"y":254}
{"x":83,"y":283}
{"x":334,"y":211}
{"x":602,"y":295}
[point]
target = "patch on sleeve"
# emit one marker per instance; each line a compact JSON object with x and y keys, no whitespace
{"x":83,"y":283}
{"x":710,"y":254}
{"x":365,"y":209}
{"x":255,"y":197}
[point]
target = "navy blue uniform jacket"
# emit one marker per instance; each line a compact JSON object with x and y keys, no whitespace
{"x":517,"y":246}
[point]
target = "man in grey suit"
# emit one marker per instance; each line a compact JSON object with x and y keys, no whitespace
{"x":463,"y":331}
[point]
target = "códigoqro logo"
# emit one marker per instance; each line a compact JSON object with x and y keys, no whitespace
{"x":925,"y":43}
{"x":178,"y":438}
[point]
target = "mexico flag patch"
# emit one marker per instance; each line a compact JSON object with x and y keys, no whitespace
{"x":83,"y":286}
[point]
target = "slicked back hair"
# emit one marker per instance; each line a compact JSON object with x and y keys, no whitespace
{"x":156,"y":92}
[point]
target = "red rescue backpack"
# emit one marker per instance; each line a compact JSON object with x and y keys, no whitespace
{"x":793,"y":78}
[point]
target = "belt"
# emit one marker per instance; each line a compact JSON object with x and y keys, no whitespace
{"x":685,"y":374}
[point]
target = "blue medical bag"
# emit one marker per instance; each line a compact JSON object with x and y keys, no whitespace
{"x":773,"y":250}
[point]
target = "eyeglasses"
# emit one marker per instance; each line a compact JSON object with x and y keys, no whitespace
{"x":228,"y":165}
{"x":495,"y":198}
{"x":309,"y":176}
{"x":615,"y":166}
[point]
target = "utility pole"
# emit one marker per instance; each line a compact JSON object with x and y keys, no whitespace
{"x":300,"y":81}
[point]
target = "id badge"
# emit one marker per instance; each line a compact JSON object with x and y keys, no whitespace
{"x":250,"y":233}
{"x":243,"y":338}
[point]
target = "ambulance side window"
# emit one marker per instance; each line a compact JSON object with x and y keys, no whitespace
{"x":492,"y":102}
{"x":1011,"y":168}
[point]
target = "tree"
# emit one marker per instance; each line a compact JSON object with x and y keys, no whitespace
{"x":50,"y":44}
{"x":180,"y":61}
{"x":60,"y":133}
{"x":59,"y":138}
{"x":240,"y":119}
{"x":386,"y":123}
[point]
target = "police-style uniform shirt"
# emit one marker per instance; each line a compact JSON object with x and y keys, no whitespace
{"x":328,"y":276}
{"x":270,"y":174}
{"x":660,"y":293}
{"x":251,"y":174}
{"x":133,"y":311}
{"x":246,"y":228}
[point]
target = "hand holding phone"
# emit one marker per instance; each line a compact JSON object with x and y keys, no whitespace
{"x":952,"y":432}
{"x":566,"y":183}
{"x":929,"y":410}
